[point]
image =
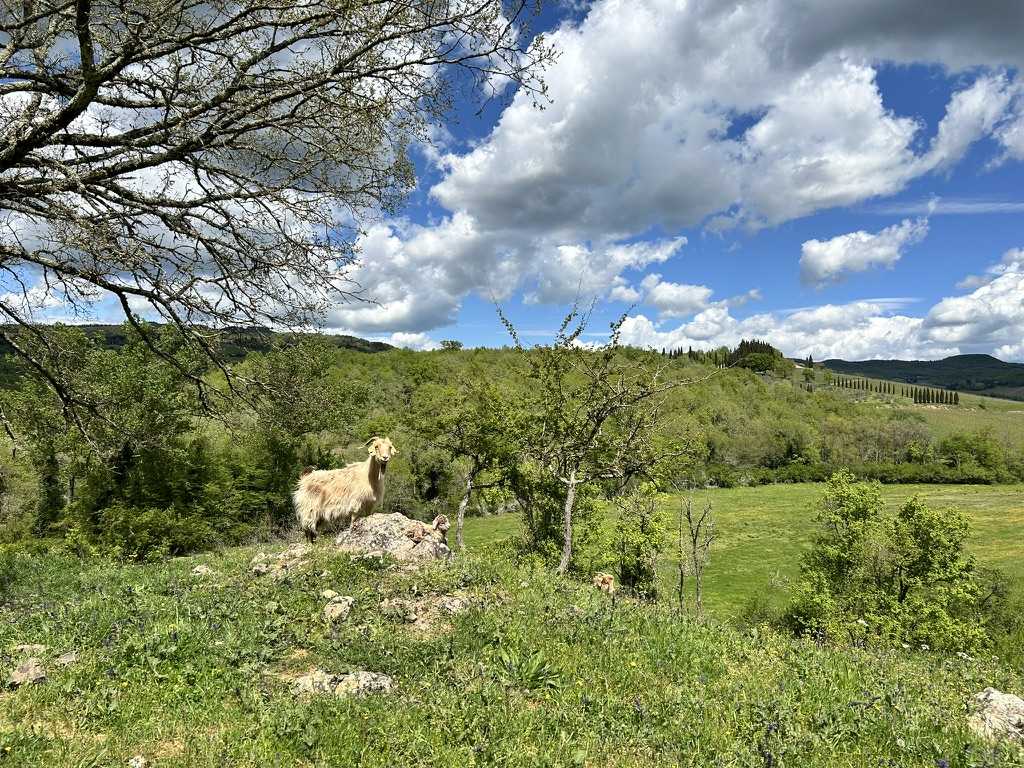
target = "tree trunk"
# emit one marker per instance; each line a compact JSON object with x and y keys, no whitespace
{"x":462,"y":508}
{"x":570,"y":501}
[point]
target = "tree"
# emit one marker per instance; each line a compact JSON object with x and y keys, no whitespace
{"x":472,"y":424}
{"x":902,"y":577}
{"x":694,"y":549}
{"x":208,"y":163}
{"x":451,"y":345}
{"x":589,"y":415}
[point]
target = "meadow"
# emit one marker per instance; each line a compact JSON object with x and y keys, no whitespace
{"x":762,"y":532}
{"x":196,"y":670}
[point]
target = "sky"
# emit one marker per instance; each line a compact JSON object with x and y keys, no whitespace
{"x":840,"y":179}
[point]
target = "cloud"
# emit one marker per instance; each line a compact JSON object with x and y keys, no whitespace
{"x":947,"y":207}
{"x":988,"y":319}
{"x":669,"y":115}
{"x":824,"y":261}
{"x":991,"y":316}
{"x":675,"y":299}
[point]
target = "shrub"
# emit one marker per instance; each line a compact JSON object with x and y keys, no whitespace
{"x":145,"y":533}
{"x":640,"y":536}
{"x":888,"y":578}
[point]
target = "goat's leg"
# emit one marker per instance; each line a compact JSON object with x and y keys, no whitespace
{"x":310,"y":535}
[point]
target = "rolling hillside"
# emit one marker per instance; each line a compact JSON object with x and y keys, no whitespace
{"x":981,"y":374}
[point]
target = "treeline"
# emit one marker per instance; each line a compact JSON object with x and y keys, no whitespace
{"x":754,"y":355}
{"x":920,"y":395}
{"x":152,"y":471}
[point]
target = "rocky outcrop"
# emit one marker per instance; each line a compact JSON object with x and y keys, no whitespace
{"x":998,"y":716}
{"x":358,"y":683}
{"x":396,"y":535}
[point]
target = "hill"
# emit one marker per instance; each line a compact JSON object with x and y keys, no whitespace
{"x":178,"y":668}
{"x":236,"y":344}
{"x":981,"y":374}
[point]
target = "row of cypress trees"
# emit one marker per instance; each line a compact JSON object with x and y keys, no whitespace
{"x":920,"y":395}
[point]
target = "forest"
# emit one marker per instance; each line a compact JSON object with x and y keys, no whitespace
{"x":178,"y":461}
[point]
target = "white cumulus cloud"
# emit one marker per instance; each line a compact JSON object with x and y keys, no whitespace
{"x":823,"y":261}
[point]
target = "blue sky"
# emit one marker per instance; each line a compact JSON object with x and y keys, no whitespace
{"x":845,"y":183}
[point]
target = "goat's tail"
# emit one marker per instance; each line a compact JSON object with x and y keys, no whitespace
{"x":306,"y":510}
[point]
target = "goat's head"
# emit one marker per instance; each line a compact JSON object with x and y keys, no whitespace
{"x":382,"y":449}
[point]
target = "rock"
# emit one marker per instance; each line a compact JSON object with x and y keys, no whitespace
{"x":453,"y":604}
{"x":358,"y":683}
{"x":396,"y":535}
{"x":339,"y":607}
{"x":396,"y":608}
{"x":30,"y":649}
{"x":29,"y":671}
{"x":998,"y":716}
{"x":328,"y":594}
{"x":138,"y":761}
{"x":281,"y":565}
{"x":67,"y":659}
{"x":362,"y":683}
{"x":202,"y":571}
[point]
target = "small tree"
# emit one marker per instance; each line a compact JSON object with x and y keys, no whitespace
{"x":451,"y":345}
{"x":587,"y":415}
{"x":905,"y":577}
{"x":640,"y":535}
{"x":471,"y":424}
{"x":694,"y":549}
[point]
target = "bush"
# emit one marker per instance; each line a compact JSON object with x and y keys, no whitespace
{"x":888,"y":578}
{"x":639,"y":538}
{"x":146,"y":533}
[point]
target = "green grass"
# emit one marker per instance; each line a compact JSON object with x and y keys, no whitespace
{"x":763,"y":531}
{"x":541,"y":672}
{"x":1004,"y":418}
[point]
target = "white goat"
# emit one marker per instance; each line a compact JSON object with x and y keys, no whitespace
{"x":326,"y":496}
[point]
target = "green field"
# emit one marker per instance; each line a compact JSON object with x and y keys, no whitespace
{"x":1004,"y":418}
{"x":186,"y":670}
{"x":763,"y":531}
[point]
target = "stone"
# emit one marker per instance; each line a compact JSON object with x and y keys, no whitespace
{"x":138,"y":761}
{"x":453,"y":604}
{"x":328,"y":594}
{"x":67,"y":659}
{"x":997,"y":716}
{"x":282,"y":564}
{"x":358,"y":683}
{"x":339,"y":607}
{"x":202,"y":571}
{"x":398,"y":536}
{"x":30,"y":649}
{"x":29,"y":671}
{"x":396,"y":608}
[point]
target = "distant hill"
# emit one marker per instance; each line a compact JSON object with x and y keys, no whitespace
{"x":237,"y":343}
{"x":980,"y":374}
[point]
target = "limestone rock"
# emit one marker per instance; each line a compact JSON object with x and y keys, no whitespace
{"x":398,"y":536}
{"x":396,"y":608}
{"x":328,"y":594}
{"x":29,"y":671}
{"x":339,"y":607}
{"x":138,"y":761}
{"x":453,"y":604}
{"x":998,"y":716}
{"x":281,"y":565}
{"x":358,"y":683}
{"x":67,"y":659}
{"x":202,"y":571}
{"x":30,"y":649}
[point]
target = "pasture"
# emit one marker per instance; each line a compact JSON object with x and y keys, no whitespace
{"x":762,"y":532}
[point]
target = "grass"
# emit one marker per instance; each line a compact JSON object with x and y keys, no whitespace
{"x":763,"y":531}
{"x":540,"y":672}
{"x":1004,"y":418}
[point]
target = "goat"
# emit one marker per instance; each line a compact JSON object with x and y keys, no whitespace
{"x":605,"y":582}
{"x":325,"y":496}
